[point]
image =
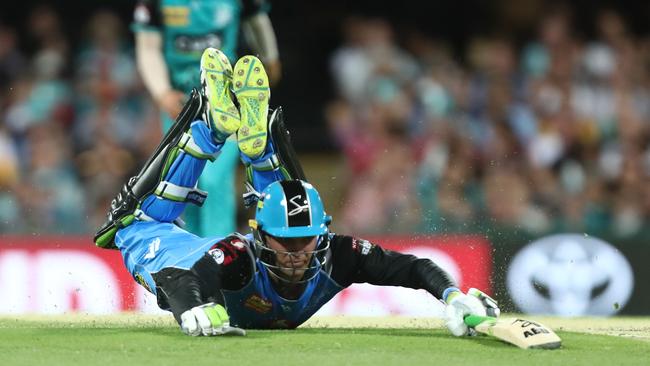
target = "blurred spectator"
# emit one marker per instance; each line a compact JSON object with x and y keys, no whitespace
{"x":44,"y":33}
{"x":52,"y":198}
{"x":69,"y":141}
{"x":42,"y":93}
{"x":542,"y":134}
{"x":107,"y":84}
{"x":553,"y":137}
{"x":12,"y":61}
{"x":112,"y":112}
{"x":370,"y":64}
{"x":9,"y":207}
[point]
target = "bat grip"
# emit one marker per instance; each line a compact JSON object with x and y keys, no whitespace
{"x":474,"y":320}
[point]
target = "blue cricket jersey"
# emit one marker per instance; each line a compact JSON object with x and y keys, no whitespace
{"x":149,"y":247}
{"x":185,"y":271}
{"x":258,"y":305}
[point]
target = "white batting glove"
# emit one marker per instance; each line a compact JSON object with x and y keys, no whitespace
{"x":459,"y":305}
{"x":490,"y":304}
{"x":208,"y":320}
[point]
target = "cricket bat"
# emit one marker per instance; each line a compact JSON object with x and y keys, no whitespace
{"x":520,"y":332}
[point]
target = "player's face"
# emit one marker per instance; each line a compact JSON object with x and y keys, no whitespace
{"x":293,"y":255}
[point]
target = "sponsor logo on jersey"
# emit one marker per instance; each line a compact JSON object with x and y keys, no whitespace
{"x":570,"y":275}
{"x":217,"y":254}
{"x":176,"y":16}
{"x":238,"y":244}
{"x":153,"y":249}
{"x":362,"y":246}
{"x":227,"y":250}
{"x":194,"y":44}
{"x":258,"y":304}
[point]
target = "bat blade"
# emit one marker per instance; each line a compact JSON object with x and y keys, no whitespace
{"x":519,"y":332}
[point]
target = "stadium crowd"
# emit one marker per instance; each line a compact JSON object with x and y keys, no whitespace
{"x":74,"y":123}
{"x":547,"y":136}
{"x":550,"y":135}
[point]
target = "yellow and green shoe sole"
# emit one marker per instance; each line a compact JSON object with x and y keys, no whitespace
{"x":216,"y":77}
{"x":251,"y":87}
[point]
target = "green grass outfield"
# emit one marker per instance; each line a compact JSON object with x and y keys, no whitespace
{"x":154,"y":340}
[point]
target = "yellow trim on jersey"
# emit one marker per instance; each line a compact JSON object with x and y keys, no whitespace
{"x":176,"y":16}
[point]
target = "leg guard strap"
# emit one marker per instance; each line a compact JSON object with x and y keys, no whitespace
{"x":188,"y":145}
{"x":178,"y":193}
{"x":271,"y":163}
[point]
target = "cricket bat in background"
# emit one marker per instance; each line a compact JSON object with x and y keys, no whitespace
{"x":520,"y":332}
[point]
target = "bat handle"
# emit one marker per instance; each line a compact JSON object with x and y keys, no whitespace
{"x":474,"y":320}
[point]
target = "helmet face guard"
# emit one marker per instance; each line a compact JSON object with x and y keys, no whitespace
{"x":291,"y":209}
{"x":268,"y":258}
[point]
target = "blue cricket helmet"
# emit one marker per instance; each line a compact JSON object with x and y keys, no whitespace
{"x":291,"y":209}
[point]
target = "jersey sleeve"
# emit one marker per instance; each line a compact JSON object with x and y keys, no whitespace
{"x":356,"y":260}
{"x":147,"y":16}
{"x":228,"y":265}
{"x":178,"y":290}
{"x":254,"y":7}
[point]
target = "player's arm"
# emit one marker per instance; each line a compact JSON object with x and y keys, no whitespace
{"x":194,"y":295}
{"x":357,"y":261}
{"x":147,"y":26}
{"x":258,"y":33}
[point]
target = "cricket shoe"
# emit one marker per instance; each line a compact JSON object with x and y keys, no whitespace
{"x":216,"y":78}
{"x":251,"y":87}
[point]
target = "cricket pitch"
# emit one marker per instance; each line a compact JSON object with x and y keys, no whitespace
{"x":136,"y":339}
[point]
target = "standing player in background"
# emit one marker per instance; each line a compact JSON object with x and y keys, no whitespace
{"x":291,"y":264}
{"x":170,"y":36}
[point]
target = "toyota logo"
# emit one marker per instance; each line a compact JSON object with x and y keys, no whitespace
{"x":570,"y":275}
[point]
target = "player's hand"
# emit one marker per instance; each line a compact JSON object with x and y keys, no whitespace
{"x":208,"y":320}
{"x":491,"y":305}
{"x":171,"y":102}
{"x":459,"y":305}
